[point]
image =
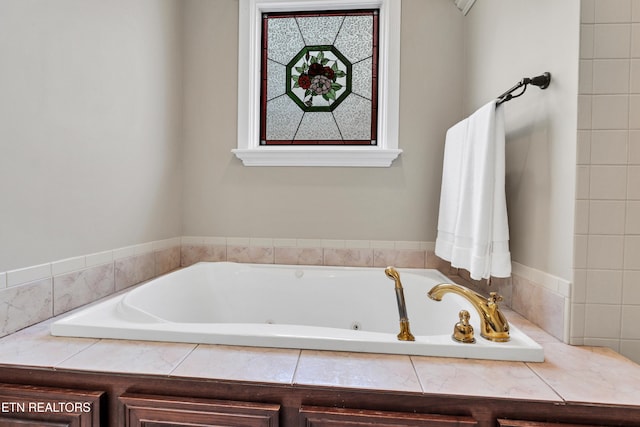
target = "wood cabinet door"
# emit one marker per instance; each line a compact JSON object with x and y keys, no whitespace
{"x":155,"y":411}
{"x":29,"y":406}
{"x":338,"y":417}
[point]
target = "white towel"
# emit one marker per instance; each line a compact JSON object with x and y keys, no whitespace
{"x":473,"y":231}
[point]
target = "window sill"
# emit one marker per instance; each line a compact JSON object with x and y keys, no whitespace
{"x":317,"y":156}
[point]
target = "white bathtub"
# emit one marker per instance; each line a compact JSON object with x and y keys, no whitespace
{"x":323,"y":308}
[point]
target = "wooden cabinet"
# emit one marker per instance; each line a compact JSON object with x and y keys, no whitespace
{"x":152,"y":411}
{"x":336,"y":417}
{"x":27,"y":406}
{"x":131,"y":400}
{"x":519,"y":423}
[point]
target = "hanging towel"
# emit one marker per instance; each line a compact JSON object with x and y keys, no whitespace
{"x":473,"y":231}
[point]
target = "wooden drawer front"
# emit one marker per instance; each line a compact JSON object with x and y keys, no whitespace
{"x":338,"y":417}
{"x":28,"y":406}
{"x":520,"y":423}
{"x":152,"y":411}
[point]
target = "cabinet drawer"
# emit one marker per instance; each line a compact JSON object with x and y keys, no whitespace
{"x":30,"y":406}
{"x":312,"y":416}
{"x":151,"y":411}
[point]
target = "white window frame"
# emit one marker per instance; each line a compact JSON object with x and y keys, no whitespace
{"x":249,"y":149}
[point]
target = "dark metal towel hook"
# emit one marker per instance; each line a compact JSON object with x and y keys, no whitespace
{"x":542,"y":81}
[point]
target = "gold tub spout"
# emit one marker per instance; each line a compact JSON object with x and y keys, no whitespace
{"x":405,"y":333}
{"x":493,"y":324}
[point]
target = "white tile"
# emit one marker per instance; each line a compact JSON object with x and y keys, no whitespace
{"x":634,"y":147}
{"x":585,"y":77}
{"x":610,"y":111}
{"x":309,"y":243}
{"x":608,"y":182}
{"x":124,"y":252}
{"x":238,"y":241}
{"x":285,"y":243}
{"x":579,"y":286}
{"x":584,"y":147}
{"x":607,"y":216}
{"x":357,"y":244}
{"x":582,"y":217}
{"x":611,"y":41}
{"x":332,"y":243}
{"x":586,"y":41}
{"x":218,"y":241}
{"x":610,"y":76}
{"x":631,"y":287}
{"x":192,"y":240}
{"x":635,"y":40}
{"x":633,"y":184}
{"x":604,"y":286}
{"x":602,"y":321}
{"x":630,"y":349}
{"x":583,"y":178}
{"x":634,"y":111}
{"x":605,"y":252}
{"x":261,"y":242}
{"x":632,"y":252}
{"x":587,"y":11}
{"x":99,"y":258}
{"x":585,"y":107}
{"x":383,"y":244}
{"x":612,"y":11}
{"x":630,"y":322}
{"x":29,"y":274}
{"x":609,"y":147}
{"x":68,"y":265}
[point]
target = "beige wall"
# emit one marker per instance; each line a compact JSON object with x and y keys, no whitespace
{"x":506,"y":41}
{"x":224,"y":198}
{"x":90,"y":114}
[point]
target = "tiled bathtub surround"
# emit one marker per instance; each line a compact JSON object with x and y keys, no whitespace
{"x":349,"y":253}
{"x":33,"y":294}
{"x":55,"y":288}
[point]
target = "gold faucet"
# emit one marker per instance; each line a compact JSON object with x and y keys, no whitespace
{"x":493,"y":324}
{"x":405,"y":332}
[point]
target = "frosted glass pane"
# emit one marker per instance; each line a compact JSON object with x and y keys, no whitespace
{"x":320,"y":30}
{"x":361,"y":79}
{"x":355,"y":39}
{"x":318,"y":126}
{"x":284,"y":39}
{"x":283,"y":117}
{"x":354,"y":118}
{"x":276,"y":78}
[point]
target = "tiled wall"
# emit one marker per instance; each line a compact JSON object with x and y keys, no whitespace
{"x":33,"y":294}
{"x":606,"y":294}
{"x":36,"y":293}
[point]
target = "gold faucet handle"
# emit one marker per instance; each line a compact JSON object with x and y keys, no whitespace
{"x":494,"y":298}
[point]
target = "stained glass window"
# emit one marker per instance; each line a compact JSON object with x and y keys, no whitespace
{"x":319,"y":73}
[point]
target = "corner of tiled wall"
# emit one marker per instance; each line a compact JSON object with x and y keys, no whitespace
{"x":605,"y":304}
{"x":33,"y":294}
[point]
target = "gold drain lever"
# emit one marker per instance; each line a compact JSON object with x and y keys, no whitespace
{"x":405,"y":332}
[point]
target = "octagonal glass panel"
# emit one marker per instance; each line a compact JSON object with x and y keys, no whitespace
{"x":319,"y":78}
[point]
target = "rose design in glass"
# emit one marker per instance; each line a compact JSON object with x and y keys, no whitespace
{"x":319,"y":72}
